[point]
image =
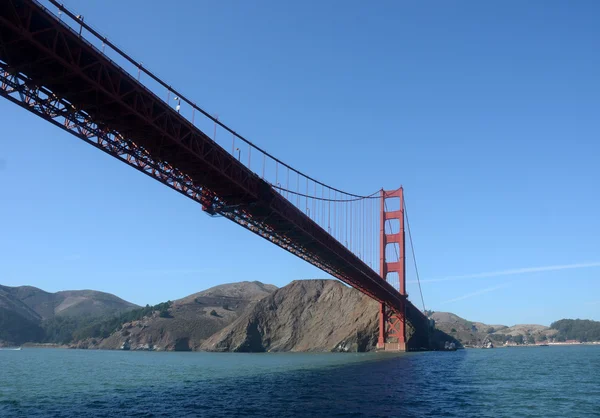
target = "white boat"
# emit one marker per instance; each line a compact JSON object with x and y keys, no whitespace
{"x":11,"y":348}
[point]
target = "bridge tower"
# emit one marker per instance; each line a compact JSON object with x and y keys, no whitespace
{"x":392,"y":325}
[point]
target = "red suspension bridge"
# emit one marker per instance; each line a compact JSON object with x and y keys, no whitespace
{"x":56,"y":66}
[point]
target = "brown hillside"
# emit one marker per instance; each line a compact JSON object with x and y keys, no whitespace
{"x":306,"y":315}
{"x":191,"y":319}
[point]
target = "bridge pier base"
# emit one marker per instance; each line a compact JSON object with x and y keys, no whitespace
{"x":394,"y":347}
{"x":392,"y":330}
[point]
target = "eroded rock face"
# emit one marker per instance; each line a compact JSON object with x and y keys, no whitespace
{"x":306,"y":315}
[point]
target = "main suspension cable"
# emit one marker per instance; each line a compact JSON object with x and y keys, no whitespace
{"x":414,"y":256}
{"x":283,"y":189}
{"x":182,"y":98}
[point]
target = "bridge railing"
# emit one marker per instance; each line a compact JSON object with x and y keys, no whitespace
{"x":351,"y":219}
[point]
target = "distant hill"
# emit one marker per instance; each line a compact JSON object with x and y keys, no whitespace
{"x":577,"y":329}
{"x":242,"y":290}
{"x":187,"y":322}
{"x":68,"y":303}
{"x":306,"y":315}
{"x":9,"y":301}
{"x":466,"y":332}
{"x":471,"y":333}
{"x":29,"y":314}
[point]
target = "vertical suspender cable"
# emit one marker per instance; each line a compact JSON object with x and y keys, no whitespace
{"x":362,"y":229}
{"x":306,"y":198}
{"x":323,"y":206}
{"x":329,"y":213}
{"x":315,"y":203}
{"x":287,"y":185}
{"x":351,"y":222}
{"x":298,"y":190}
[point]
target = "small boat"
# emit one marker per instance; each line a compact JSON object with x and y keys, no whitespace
{"x":542,"y":345}
{"x":11,"y":348}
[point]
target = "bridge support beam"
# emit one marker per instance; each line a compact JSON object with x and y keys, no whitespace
{"x":392,"y":323}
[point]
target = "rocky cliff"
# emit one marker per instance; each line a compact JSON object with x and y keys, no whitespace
{"x":306,"y":315}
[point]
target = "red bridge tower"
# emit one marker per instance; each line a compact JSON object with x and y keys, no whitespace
{"x":392,"y":324}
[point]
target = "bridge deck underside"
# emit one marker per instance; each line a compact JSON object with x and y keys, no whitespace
{"x":58,"y":74}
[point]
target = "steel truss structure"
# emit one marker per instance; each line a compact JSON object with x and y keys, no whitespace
{"x":53,"y":72}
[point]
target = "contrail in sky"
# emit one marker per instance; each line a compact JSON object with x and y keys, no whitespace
{"x":477,"y":293}
{"x":513,"y":272}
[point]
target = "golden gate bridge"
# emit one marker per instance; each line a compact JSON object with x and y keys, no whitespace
{"x":58,"y":67}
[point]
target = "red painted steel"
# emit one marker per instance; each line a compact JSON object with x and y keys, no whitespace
{"x":54,"y":72}
{"x":392,"y":323}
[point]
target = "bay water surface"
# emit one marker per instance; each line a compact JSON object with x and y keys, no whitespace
{"x":561,"y":381}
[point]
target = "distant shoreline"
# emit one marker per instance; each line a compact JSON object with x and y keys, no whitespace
{"x":44,"y":345}
{"x":538,"y":345}
{"x":70,"y":347}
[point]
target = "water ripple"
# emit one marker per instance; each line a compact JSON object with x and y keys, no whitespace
{"x":528,"y":382}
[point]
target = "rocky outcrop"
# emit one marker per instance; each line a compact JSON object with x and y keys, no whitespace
{"x":307,"y":315}
{"x":487,"y":343}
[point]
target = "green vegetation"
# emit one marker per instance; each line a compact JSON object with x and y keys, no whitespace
{"x":65,"y":329}
{"x":102,"y":328}
{"x":16,"y":329}
{"x":60,"y":329}
{"x":582,"y":330}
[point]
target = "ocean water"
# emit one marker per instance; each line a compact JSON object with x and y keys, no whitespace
{"x":525,"y":382}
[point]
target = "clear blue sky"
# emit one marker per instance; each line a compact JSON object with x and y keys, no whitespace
{"x":487,"y":112}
